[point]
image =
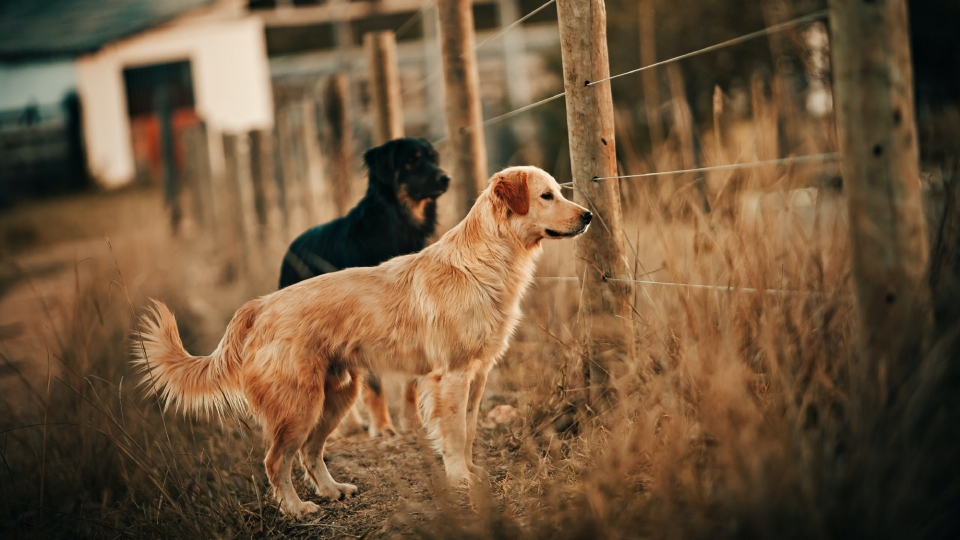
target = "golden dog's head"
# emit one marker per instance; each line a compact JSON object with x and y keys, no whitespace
{"x":532,"y":204}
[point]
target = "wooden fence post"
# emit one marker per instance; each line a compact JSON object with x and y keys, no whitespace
{"x":462,"y":87}
{"x":432,"y":63}
{"x":264,"y":179}
{"x":312,"y":161}
{"x":219,"y":194}
{"x":514,"y":60}
{"x":198,"y":165}
{"x":287,"y":137}
{"x":649,"y":79}
{"x":683,"y":125}
{"x":171,"y":180}
{"x":381,"y":51}
{"x":873,"y":86}
{"x":337,"y":111}
{"x":599,"y":252}
{"x":240,"y":181}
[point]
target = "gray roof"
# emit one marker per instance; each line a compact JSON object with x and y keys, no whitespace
{"x":34,"y":29}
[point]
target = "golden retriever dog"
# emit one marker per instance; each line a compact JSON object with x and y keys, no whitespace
{"x":295,"y":358}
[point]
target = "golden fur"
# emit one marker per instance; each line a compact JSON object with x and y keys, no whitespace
{"x":444,"y":314}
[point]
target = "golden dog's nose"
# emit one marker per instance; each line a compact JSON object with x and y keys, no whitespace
{"x":586,"y":217}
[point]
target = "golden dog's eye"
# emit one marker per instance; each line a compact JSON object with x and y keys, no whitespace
{"x":547,"y":196}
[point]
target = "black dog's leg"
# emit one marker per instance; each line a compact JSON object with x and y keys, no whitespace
{"x":380,"y":422}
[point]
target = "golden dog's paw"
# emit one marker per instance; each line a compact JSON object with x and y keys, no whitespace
{"x":386,"y":432}
{"x":299,"y":509}
{"x":465,"y":480}
{"x":480,"y":473}
{"x":347,"y":490}
{"x":335,"y":491}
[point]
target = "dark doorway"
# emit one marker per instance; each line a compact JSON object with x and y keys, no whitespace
{"x":152,"y":90}
{"x":160,"y":104}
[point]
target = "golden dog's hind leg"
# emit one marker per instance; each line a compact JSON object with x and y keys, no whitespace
{"x":380,"y":422}
{"x":340,"y":392}
{"x":473,"y":412}
{"x":287,"y":434}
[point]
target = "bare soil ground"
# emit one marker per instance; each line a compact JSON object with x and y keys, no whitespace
{"x":56,"y":249}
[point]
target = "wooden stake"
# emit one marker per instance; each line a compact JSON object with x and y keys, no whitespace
{"x":264,"y":182}
{"x":381,"y":50}
{"x":313,"y":187}
{"x":873,"y":86}
{"x":287,"y":136}
{"x":237,"y":149}
{"x":337,"y":111}
{"x":198,"y":165}
{"x":600,"y":253}
{"x":683,"y":126}
{"x":433,"y":93}
{"x":648,"y":77}
{"x":464,"y":113}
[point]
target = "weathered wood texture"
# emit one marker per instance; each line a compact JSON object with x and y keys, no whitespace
{"x":264,"y":179}
{"x":873,"y":84}
{"x":242,"y":198}
{"x":683,"y":127}
{"x":432,"y":63}
{"x":599,"y":252}
{"x":312,"y":161}
{"x":198,"y":171}
{"x":462,"y":85}
{"x":337,"y":111}
{"x":381,"y":52}
{"x":648,"y":78}
{"x":287,"y":152}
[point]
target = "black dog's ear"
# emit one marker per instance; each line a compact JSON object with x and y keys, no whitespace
{"x":430,"y":150}
{"x":380,"y":162}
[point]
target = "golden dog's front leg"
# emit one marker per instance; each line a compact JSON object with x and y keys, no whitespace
{"x":450,"y":413}
{"x":473,"y":411}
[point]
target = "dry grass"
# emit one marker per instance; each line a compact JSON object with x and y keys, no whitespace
{"x":743,"y":415}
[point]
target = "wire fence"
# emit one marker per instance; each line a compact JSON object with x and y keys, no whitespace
{"x":438,"y":72}
{"x":816,"y":158}
{"x":792,"y":160}
{"x":699,"y":286}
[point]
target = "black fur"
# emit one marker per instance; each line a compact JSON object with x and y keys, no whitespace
{"x":382,"y":225}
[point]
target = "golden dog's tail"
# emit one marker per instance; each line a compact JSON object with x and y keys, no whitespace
{"x":193,"y":383}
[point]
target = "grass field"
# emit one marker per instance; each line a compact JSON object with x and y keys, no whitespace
{"x":744,"y":414}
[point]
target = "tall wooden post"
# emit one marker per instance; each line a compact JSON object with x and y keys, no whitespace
{"x":648,"y":77}
{"x":381,"y":51}
{"x":219,"y":191}
{"x":600,"y":253}
{"x":337,"y":111}
{"x":198,"y":163}
{"x":433,"y":93}
{"x":313,"y":162}
{"x":683,"y":125}
{"x":237,"y":149}
{"x":264,"y":178}
{"x":462,"y":84}
{"x":171,"y":183}
{"x":514,"y":57}
{"x":873,"y":84}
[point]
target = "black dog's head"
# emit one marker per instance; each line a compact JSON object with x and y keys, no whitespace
{"x":408,"y":168}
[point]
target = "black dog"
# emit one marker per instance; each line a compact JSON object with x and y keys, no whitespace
{"x":397,"y":216}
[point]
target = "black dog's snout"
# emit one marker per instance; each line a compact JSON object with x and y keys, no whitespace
{"x":444,"y":180}
{"x":586,"y":217}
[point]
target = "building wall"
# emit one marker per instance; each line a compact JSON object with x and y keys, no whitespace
{"x":230,"y":74}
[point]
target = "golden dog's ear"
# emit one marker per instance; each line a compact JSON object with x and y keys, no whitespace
{"x":512,"y":189}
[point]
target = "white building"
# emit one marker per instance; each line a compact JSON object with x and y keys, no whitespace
{"x":207,"y":58}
